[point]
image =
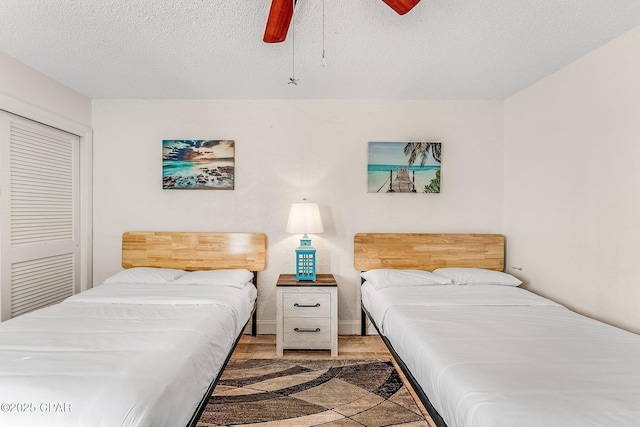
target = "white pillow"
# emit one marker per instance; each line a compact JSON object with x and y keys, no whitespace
{"x":478,"y":276}
{"x":236,"y":278}
{"x":387,"y":277}
{"x":145,"y":275}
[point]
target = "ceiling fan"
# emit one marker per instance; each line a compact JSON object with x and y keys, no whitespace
{"x":282,"y":10}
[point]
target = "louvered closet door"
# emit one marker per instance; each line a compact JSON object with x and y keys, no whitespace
{"x":39,"y":217}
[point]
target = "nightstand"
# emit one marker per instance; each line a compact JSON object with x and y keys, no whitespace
{"x":307,"y":313}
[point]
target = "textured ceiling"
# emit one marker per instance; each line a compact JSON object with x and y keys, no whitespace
{"x":442,"y":49}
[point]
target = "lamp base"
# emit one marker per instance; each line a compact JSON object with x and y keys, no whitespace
{"x":305,"y":264}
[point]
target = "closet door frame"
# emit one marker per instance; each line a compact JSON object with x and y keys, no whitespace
{"x":85,"y":133}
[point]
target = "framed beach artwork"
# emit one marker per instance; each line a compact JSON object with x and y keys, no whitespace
{"x":198,"y":164}
{"x":404,"y":167}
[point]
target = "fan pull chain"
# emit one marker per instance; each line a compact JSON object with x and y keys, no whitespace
{"x":323,"y":62}
{"x":292,"y":79}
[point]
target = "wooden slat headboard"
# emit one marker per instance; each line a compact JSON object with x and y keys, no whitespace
{"x":194,"y":250}
{"x":428,"y":251}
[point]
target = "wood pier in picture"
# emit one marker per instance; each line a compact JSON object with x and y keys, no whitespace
{"x":402,"y":183}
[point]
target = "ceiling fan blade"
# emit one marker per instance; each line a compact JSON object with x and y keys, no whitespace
{"x":401,"y":6}
{"x":278,"y":22}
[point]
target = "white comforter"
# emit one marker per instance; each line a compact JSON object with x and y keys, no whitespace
{"x":119,"y":355}
{"x":496,"y":356}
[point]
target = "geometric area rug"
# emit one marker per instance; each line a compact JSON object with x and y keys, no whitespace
{"x":328,"y":393}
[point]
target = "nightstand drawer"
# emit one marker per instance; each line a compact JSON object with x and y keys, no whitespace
{"x":307,"y":329}
{"x":307,"y":304}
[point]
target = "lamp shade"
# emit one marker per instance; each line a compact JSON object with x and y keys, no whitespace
{"x":304,"y":218}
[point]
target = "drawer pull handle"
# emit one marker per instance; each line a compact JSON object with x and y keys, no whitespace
{"x":307,"y":305}
{"x":306,"y":330}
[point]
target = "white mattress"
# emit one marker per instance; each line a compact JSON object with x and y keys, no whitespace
{"x":498,"y":356}
{"x":119,"y":355}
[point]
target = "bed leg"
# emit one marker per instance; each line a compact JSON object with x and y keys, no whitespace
{"x":254,"y":317}
{"x":363,"y":323}
{"x":254,"y":324}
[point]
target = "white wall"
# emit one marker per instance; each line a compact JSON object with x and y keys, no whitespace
{"x":287,"y":150}
{"x":572,"y":184}
{"x":22,"y":83}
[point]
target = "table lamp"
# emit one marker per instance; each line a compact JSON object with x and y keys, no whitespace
{"x":305,"y":218}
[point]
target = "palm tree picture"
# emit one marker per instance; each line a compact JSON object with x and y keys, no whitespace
{"x":404,"y":167}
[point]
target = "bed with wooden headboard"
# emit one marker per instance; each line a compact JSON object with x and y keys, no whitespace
{"x":420,"y":251}
{"x":146,"y":347}
{"x":196,"y":251}
{"x":481,"y":351}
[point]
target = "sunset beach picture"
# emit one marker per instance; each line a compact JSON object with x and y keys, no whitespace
{"x":404,"y":167}
{"x":198,"y":164}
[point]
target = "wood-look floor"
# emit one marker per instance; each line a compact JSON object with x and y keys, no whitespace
{"x":349,"y":347}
